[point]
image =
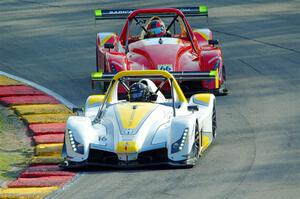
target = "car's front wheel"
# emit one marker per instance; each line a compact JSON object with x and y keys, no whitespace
{"x":223,"y":88}
{"x":196,"y":150}
{"x":214,"y":122}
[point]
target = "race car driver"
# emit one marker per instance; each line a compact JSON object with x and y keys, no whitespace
{"x":139,"y":92}
{"x":156,"y":28}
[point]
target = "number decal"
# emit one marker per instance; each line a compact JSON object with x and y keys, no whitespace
{"x":166,"y":67}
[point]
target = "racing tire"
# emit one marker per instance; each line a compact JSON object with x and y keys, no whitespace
{"x":97,"y":67}
{"x":104,"y":86}
{"x":222,"y":91}
{"x":196,"y":149}
{"x":198,"y":143}
{"x":214,"y":122}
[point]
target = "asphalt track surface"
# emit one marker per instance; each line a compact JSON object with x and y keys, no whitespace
{"x":257,"y":151}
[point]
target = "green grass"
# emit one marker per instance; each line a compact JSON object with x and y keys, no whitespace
{"x":15,"y":149}
{"x":11,"y":164}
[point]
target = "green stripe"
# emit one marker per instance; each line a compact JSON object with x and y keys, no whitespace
{"x":203,"y":9}
{"x":212,"y":73}
{"x":96,"y":75}
{"x":98,"y":13}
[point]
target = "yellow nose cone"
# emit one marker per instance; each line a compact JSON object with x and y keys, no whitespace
{"x":127,"y":147}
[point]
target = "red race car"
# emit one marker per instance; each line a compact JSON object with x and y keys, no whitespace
{"x":161,"y":39}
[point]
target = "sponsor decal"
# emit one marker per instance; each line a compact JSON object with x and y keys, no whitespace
{"x":187,"y":9}
{"x":165,"y":67}
{"x":118,"y":12}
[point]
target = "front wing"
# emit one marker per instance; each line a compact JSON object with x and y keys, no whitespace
{"x":154,"y":157}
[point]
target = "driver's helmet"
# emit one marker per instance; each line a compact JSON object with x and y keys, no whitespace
{"x":139,"y":92}
{"x":156,"y":28}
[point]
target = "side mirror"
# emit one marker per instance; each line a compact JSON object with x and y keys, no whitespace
{"x":193,"y":108}
{"x":109,"y":45}
{"x":78,"y":111}
{"x":213,"y":42}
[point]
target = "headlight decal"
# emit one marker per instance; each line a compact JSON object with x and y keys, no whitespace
{"x":76,"y":146}
{"x":179,"y":144}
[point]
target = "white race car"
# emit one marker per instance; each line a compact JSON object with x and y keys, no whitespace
{"x":153,"y":125}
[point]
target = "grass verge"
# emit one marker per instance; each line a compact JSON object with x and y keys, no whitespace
{"x":15,"y":145}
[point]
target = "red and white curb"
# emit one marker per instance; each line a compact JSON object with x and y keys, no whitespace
{"x":45,"y":114}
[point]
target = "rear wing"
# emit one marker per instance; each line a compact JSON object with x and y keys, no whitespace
{"x":179,"y":76}
{"x":123,"y":13}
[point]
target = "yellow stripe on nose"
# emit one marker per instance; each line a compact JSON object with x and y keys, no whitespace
{"x":131,"y":114}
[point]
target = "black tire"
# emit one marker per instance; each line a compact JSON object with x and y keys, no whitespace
{"x":197,"y":142}
{"x":196,"y":148}
{"x":223,"y":73}
{"x":97,"y":67}
{"x":223,"y":88}
{"x":104,"y":86}
{"x":214,"y":122}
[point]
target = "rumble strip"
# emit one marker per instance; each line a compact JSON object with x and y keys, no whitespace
{"x":45,"y":117}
